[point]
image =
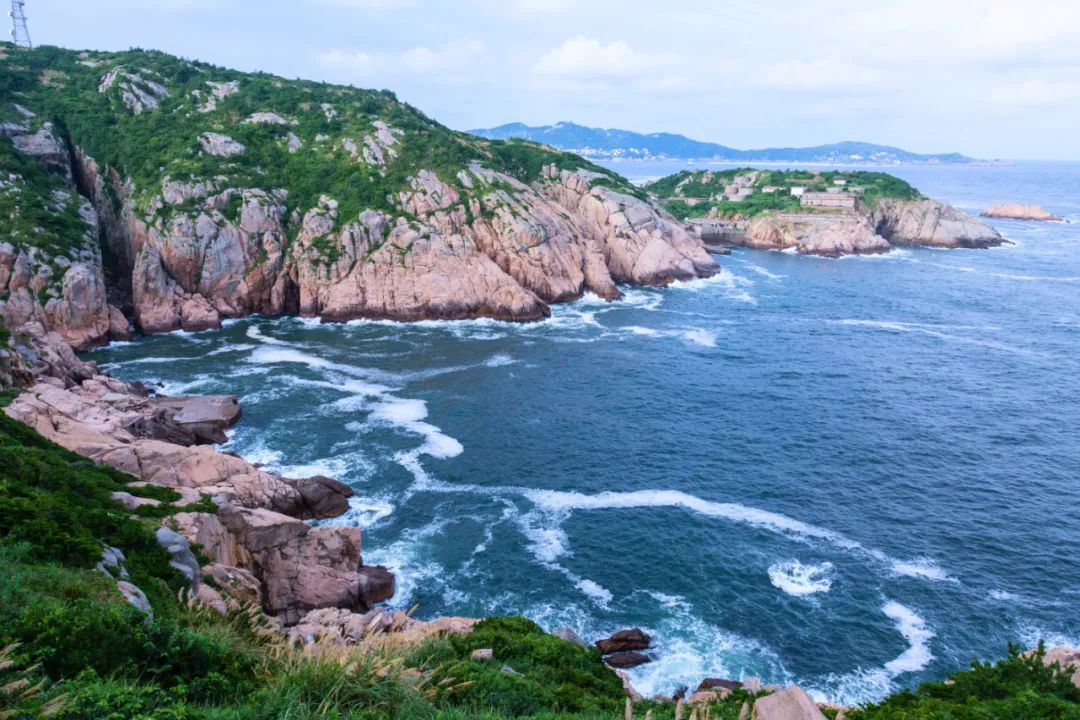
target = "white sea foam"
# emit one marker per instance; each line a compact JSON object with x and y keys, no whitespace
{"x":565,"y":501}
{"x":735,"y":285}
{"x":597,"y":593}
{"x":236,"y":347}
{"x":1003,"y":596}
{"x":918,"y":635}
{"x":254,"y":333}
{"x":697,"y":336}
{"x":865,"y":684}
{"x":694,"y":648}
{"x":639,"y":330}
{"x":800,"y":580}
{"x":762,"y":271}
{"x":365,"y":512}
{"x":499,"y":360}
{"x":920,"y":568}
{"x":152,"y":360}
{"x":934,"y":331}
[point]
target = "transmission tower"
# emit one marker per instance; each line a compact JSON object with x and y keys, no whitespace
{"x":20,"y":35}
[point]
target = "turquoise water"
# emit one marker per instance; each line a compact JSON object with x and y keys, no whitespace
{"x":852,"y":474}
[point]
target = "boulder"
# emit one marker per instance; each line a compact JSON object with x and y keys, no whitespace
{"x":205,"y":417}
{"x":180,"y":556}
{"x":718,"y":684}
{"x":626,"y":659}
{"x":220,"y":145}
{"x":483,"y":654}
{"x":320,"y":497}
{"x":568,"y":635}
{"x":704,"y":697}
{"x":135,"y":596}
{"x":119,"y":327}
{"x":790,"y":704}
{"x":133,"y":502}
{"x":632,"y":639}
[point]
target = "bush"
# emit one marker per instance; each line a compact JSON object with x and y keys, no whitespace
{"x":555,"y":676}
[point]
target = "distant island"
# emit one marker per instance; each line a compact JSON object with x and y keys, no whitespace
{"x":601,"y":144}
{"x":814,"y":213}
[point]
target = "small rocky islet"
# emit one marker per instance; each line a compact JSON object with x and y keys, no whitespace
{"x":146,"y":193}
{"x":1019,"y":211}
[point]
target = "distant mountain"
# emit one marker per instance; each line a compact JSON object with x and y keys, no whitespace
{"x":600,"y":144}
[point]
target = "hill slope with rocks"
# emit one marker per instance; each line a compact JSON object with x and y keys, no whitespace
{"x":219,"y":194}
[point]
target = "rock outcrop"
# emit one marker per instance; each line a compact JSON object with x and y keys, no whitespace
{"x":624,"y":641}
{"x":257,"y":539}
{"x":926,"y":223}
{"x":790,"y":704}
{"x":825,"y":235}
{"x":930,"y":223}
{"x":1016,"y":211}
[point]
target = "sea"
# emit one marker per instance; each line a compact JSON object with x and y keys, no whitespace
{"x":853,"y":474}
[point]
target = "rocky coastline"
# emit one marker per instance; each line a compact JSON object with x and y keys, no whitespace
{"x":892,"y":224}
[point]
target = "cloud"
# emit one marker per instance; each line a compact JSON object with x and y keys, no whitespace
{"x":453,"y":61}
{"x":584,"y":57}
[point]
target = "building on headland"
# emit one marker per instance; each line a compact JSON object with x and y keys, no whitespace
{"x":798,"y":191}
{"x":843,"y":201}
{"x":770,"y":189}
{"x":839,"y":181}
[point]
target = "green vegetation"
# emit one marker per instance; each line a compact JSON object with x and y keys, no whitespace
{"x":331,"y":122}
{"x":1016,"y":687}
{"x":699,"y":193}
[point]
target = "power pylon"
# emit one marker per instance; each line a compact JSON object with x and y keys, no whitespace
{"x":20,"y":34}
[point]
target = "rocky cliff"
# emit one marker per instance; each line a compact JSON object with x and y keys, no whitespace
{"x":892,"y":223}
{"x":218,"y":194}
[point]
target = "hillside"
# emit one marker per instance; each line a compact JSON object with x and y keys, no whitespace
{"x":691,"y":194}
{"x":219,"y":194}
{"x":612,"y":144}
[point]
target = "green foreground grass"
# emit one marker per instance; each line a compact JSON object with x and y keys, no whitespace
{"x":73,"y":649}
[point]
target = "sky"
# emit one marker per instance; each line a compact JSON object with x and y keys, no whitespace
{"x":987,"y":78}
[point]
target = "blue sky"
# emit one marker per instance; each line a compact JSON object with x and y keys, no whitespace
{"x":984,"y":77}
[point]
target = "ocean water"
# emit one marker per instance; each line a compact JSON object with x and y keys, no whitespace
{"x":853,"y":474}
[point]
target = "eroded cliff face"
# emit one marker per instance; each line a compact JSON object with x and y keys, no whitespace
{"x":50,"y":261}
{"x":220,"y":194}
{"x":505,"y":253}
{"x":925,"y":223}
